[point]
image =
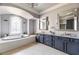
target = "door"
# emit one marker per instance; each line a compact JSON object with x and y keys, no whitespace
{"x":32,"y":26}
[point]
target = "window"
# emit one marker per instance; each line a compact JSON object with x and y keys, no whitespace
{"x":15,"y":25}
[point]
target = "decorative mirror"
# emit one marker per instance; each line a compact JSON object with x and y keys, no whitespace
{"x":69,"y":20}
{"x":43,"y":23}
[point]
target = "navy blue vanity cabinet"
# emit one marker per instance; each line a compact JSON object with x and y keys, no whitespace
{"x":40,"y":38}
{"x":73,"y":47}
{"x":65,"y":44}
{"x":60,"y":43}
{"x":48,"y":40}
{"x":65,"y":41}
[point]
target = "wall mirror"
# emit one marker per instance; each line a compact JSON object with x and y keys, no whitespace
{"x":43,"y":23}
{"x":69,"y":20}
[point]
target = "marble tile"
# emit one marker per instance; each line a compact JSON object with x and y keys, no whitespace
{"x":35,"y":49}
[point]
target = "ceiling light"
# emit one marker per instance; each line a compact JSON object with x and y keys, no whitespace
{"x":34,"y":5}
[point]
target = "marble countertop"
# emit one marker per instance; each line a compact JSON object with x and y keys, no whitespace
{"x":61,"y":35}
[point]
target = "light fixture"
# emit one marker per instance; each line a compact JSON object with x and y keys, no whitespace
{"x":34,"y":5}
{"x":5,"y":20}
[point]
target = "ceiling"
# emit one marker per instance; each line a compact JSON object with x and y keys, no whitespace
{"x":36,"y":8}
{"x":39,"y":7}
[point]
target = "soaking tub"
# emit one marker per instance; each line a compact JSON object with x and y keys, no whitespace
{"x":12,"y":37}
{"x":13,"y":43}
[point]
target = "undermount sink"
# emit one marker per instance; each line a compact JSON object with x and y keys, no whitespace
{"x":69,"y":35}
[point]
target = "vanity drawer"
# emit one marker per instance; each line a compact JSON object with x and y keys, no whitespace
{"x":74,"y":40}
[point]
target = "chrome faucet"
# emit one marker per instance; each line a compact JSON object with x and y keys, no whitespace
{"x":52,"y":32}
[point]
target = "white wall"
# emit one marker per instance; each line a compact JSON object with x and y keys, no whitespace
{"x":53,"y":18}
{"x":0,"y":26}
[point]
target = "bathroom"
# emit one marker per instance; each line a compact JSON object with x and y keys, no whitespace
{"x":56,"y":27}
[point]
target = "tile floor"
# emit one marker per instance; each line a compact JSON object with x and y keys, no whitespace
{"x":35,"y":49}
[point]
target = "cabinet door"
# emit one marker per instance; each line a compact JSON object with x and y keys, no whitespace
{"x":41,"y":39}
{"x":73,"y":48}
{"x":59,"y":43}
{"x":48,"y":40}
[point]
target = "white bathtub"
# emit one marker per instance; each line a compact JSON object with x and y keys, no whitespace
{"x":6,"y":45}
{"x":12,"y":37}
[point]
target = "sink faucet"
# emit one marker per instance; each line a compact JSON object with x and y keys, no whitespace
{"x":52,"y":32}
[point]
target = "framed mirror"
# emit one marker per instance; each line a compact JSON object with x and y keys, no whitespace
{"x":67,"y":23}
{"x":43,"y":23}
{"x":68,"y":20}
